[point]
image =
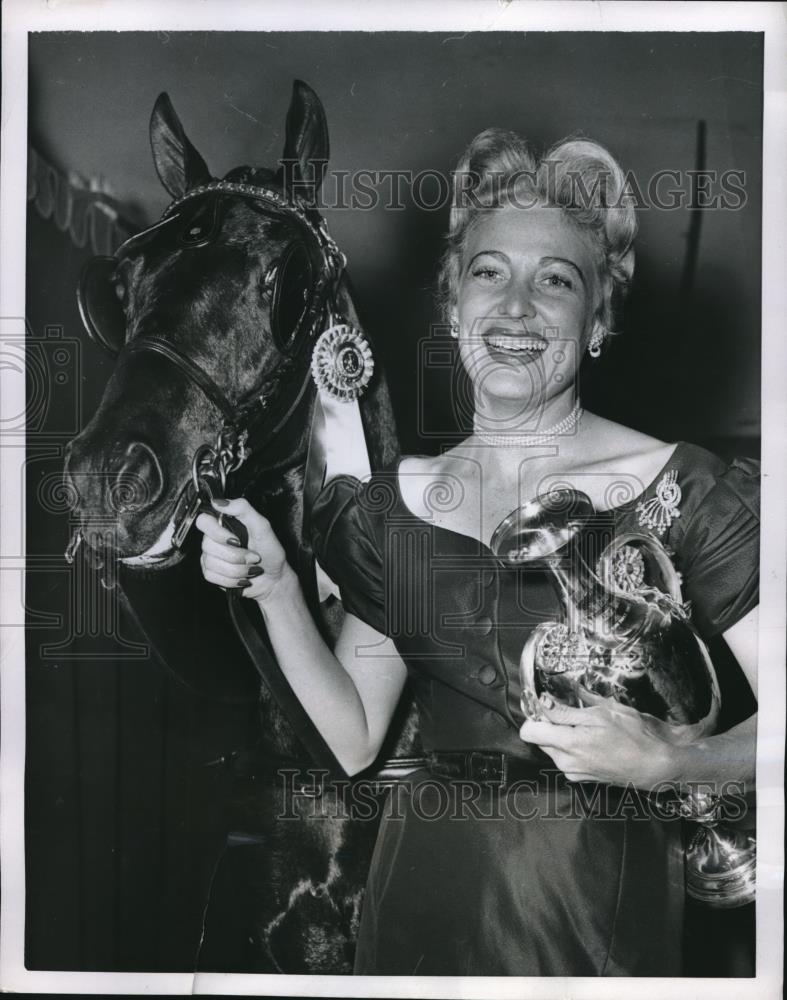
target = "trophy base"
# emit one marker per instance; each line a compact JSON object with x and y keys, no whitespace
{"x":721,"y":867}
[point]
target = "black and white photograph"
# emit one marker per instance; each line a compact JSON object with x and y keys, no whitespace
{"x":393,"y":488}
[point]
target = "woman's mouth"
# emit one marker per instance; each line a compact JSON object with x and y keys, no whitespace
{"x":522,"y":346}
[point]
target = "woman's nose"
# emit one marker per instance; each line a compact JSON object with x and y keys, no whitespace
{"x":517,"y":300}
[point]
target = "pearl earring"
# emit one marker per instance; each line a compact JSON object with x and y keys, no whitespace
{"x":454,"y":329}
{"x":594,"y":347}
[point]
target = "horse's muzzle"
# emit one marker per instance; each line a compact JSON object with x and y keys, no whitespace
{"x":117,"y":502}
{"x":132,"y":482}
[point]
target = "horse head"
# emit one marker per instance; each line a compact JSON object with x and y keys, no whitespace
{"x":212,"y":313}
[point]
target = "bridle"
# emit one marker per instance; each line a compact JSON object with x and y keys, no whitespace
{"x":232,"y":440}
{"x":315,"y":252}
{"x":332,"y":263}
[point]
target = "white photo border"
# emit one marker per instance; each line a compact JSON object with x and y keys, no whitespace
{"x":23,"y":16}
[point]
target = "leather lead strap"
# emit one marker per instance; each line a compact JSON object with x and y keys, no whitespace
{"x":262,"y":657}
{"x":248,"y":622}
{"x":314,"y":472}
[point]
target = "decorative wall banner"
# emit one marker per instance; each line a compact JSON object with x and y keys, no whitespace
{"x":77,"y":206}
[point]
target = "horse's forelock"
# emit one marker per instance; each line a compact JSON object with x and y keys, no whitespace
{"x":259,"y":176}
{"x":261,"y":235}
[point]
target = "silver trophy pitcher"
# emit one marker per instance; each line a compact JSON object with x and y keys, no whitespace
{"x":625,"y":635}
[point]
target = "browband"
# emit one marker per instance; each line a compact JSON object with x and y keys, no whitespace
{"x":334,"y":258}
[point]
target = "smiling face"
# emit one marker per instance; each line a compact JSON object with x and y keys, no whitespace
{"x":529,"y":291}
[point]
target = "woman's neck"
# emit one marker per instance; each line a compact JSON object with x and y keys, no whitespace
{"x":500,"y":417}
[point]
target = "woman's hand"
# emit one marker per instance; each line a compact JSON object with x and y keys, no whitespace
{"x":347,"y":695}
{"x":600,"y":743}
{"x":258,"y":569}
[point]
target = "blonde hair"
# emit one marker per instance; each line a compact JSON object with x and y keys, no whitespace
{"x":579,"y":176}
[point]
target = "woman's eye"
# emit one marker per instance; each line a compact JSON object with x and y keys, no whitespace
{"x":487,"y":273}
{"x":558,"y":281}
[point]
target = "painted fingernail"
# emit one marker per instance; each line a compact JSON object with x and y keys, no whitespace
{"x":255,"y":571}
{"x":217,"y":502}
{"x":547,"y":701}
{"x":243,"y":583}
{"x":232,"y":540}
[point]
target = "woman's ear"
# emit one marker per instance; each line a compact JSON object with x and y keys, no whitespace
{"x":603,"y":312}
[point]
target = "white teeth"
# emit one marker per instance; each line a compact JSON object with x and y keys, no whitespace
{"x":160,"y":550}
{"x":516,"y":343}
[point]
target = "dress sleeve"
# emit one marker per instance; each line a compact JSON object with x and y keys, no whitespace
{"x":346,"y":545}
{"x":720,"y":549}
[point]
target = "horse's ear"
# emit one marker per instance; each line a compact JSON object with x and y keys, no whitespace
{"x":306,"y":147}
{"x":178,"y":164}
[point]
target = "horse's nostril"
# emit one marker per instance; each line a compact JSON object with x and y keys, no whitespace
{"x":138,"y":481}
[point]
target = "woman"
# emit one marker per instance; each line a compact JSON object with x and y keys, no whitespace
{"x":506,"y":876}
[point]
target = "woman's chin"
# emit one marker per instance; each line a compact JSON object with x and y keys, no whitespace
{"x":527,"y":392}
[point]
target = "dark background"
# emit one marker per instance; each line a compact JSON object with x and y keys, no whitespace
{"x":123,"y":821}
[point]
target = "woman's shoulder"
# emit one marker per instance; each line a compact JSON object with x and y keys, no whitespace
{"x":347,"y":507}
{"x":693,"y":495}
{"x":425,"y":480}
{"x":608,"y":444}
{"x":650,"y":459}
{"x":705,"y":509}
{"x":716,"y":490}
{"x":712,"y":484}
{"x":347,"y":536}
{"x":348,"y":522}
{"x":348,"y":504}
{"x":349,"y":512}
{"x":716,"y":536}
{"x":667,"y":481}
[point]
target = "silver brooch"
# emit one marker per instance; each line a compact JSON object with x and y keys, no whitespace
{"x":342,"y":362}
{"x":660,"y":511}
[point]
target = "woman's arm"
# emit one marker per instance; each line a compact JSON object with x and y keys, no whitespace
{"x":731,"y":755}
{"x":743,"y":638}
{"x":350,"y":694}
{"x":600,"y":744}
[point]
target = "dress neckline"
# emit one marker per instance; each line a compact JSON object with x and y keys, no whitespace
{"x":620,"y":508}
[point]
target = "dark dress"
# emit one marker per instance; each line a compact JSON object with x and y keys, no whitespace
{"x":542,"y":879}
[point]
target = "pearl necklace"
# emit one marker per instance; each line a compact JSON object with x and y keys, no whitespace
{"x":522,"y":440}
